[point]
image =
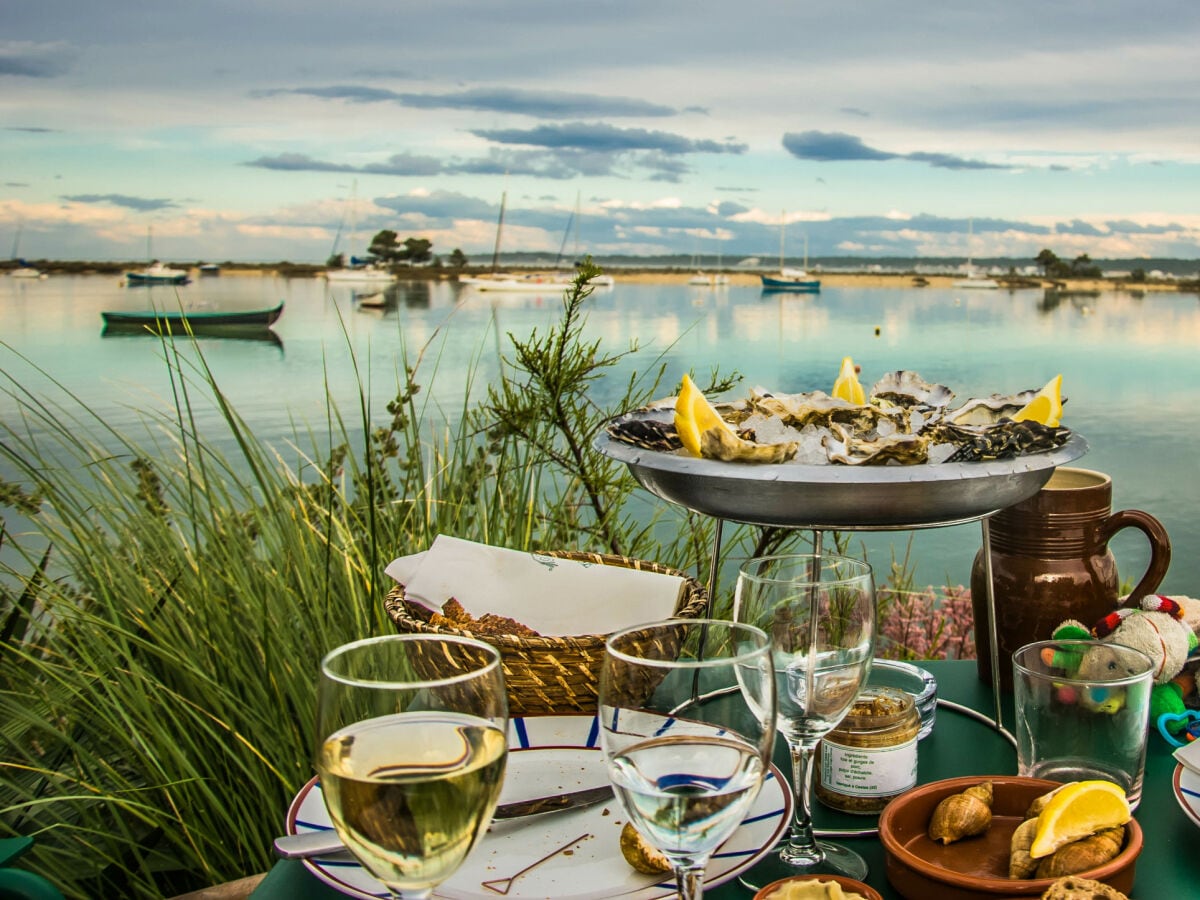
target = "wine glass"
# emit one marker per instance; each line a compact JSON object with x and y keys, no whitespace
{"x":687,"y":722}
{"x":411,"y":750}
{"x":820,"y":613}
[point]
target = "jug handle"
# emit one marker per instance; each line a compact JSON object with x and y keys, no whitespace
{"x":1160,"y":548}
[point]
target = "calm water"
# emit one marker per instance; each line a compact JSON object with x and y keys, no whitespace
{"x":1129,"y":364}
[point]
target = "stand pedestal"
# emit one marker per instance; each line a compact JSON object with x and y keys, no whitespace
{"x":997,"y":721}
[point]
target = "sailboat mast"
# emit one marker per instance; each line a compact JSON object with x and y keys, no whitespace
{"x":782,"y":223}
{"x":499,"y":228}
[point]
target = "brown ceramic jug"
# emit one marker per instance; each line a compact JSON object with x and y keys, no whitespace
{"x":1050,"y":562}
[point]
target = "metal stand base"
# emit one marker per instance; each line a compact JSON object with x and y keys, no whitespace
{"x":996,"y":721}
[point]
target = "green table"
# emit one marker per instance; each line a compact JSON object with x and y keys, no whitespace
{"x":959,"y":745}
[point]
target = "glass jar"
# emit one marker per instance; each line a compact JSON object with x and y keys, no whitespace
{"x":871,"y":756}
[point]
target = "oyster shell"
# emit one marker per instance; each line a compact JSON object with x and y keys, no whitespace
{"x":1003,"y":440}
{"x":843,"y":447}
{"x":906,"y":388}
{"x":719,"y":444}
{"x":652,"y":434}
{"x":989,"y":410}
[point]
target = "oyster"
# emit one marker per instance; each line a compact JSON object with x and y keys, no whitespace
{"x":843,"y":447}
{"x":905,"y":388}
{"x":717,"y":443}
{"x":989,"y":410}
{"x":1003,"y":440}
{"x":818,"y":408}
{"x":652,"y":434}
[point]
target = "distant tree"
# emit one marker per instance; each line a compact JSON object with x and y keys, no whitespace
{"x":385,"y":246}
{"x":417,"y":250}
{"x":1082,"y":267}
{"x":1048,"y":260}
{"x":336,"y":261}
{"x":458,"y":259}
{"x":1138,"y":275}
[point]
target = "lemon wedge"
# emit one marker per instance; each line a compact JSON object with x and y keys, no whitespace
{"x":847,"y":387}
{"x":694,"y":415}
{"x":1077,"y":810}
{"x":1046,"y":407}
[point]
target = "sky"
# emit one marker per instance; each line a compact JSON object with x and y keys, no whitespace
{"x":266,"y":130}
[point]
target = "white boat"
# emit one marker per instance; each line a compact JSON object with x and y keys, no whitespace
{"x":790,"y":278}
{"x":23,"y":269}
{"x":700,"y":280}
{"x":975,"y":279}
{"x":515,"y":284}
{"x":157,"y":273}
{"x":360,"y":274}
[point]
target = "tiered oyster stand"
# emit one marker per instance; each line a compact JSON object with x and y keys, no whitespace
{"x":846,"y":498}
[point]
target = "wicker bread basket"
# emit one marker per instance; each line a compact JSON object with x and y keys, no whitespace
{"x":550,"y":675}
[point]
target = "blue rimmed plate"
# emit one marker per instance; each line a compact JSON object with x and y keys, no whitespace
{"x":1186,"y":785}
{"x":550,"y":755}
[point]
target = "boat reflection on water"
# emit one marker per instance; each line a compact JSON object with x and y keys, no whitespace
{"x":410,"y":295}
{"x":200,"y":335}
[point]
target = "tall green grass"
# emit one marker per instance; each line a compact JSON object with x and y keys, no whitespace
{"x":163,"y":615}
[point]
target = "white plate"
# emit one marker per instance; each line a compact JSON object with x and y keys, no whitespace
{"x":549,"y":755}
{"x":1187,"y":791}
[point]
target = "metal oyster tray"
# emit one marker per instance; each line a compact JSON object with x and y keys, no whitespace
{"x":862,"y":498}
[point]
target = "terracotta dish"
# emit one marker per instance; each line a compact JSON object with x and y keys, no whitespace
{"x":919,"y":868}
{"x":849,"y":885}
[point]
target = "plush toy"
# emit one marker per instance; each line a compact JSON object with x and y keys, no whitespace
{"x":1159,"y":630}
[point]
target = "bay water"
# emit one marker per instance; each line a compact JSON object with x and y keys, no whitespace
{"x":1130,"y":367}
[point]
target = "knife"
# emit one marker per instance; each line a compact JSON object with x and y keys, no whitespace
{"x":327,"y":842}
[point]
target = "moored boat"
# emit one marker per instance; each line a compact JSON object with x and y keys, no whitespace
{"x":791,"y":279}
{"x":157,"y":273}
{"x":368,"y":273}
{"x":515,"y":283}
{"x":179,"y":321}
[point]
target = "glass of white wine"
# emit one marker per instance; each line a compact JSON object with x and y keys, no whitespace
{"x":687,"y":722}
{"x":819,"y":610}
{"x":411,"y":751}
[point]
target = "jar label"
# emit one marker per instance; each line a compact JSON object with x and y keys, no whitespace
{"x":876,"y":772}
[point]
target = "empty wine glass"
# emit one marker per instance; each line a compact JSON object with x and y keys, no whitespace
{"x":411,"y":750}
{"x":820,"y":613}
{"x":687,"y":713}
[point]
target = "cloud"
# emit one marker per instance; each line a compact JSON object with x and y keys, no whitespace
{"x":606,"y":138}
{"x":35,"y":60}
{"x":537,"y":104}
{"x":141,"y":204}
{"x":557,"y":153}
{"x":837,"y":146}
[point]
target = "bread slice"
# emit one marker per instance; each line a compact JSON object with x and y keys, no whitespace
{"x":1072,"y":887}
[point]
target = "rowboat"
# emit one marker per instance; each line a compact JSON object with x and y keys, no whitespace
{"x":180,"y":321}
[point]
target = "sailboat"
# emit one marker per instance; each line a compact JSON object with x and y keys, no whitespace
{"x":23,"y":269}
{"x":359,"y":271}
{"x":156,"y":272}
{"x":512,"y":284}
{"x":569,"y":277}
{"x":975,"y":279}
{"x":789,"y":277}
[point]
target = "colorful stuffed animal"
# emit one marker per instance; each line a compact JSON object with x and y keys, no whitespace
{"x":1157,"y":629}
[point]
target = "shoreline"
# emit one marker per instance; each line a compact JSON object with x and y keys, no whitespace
{"x":674,"y":277}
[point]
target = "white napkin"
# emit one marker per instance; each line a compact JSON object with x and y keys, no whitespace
{"x":555,"y":597}
{"x":1189,"y":755}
